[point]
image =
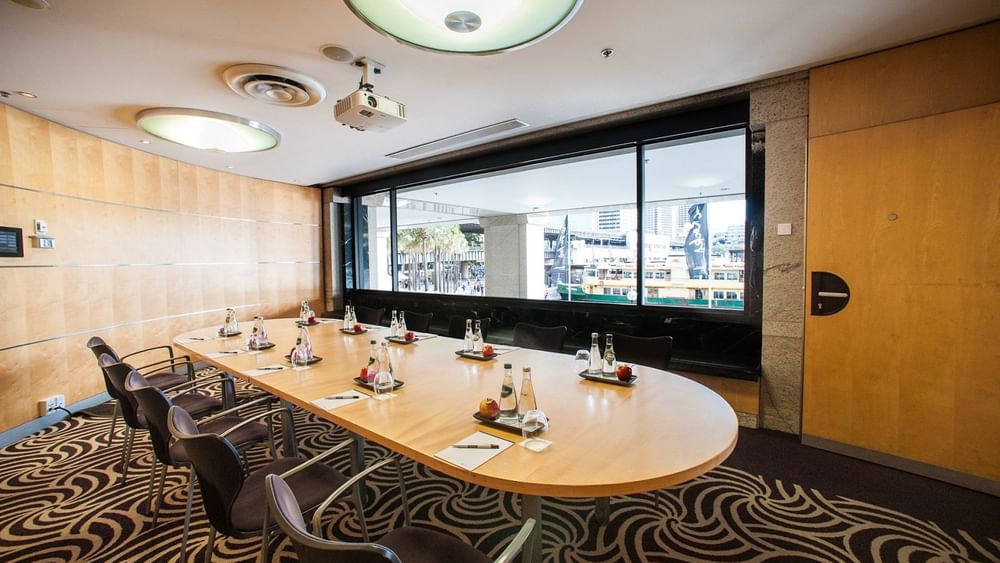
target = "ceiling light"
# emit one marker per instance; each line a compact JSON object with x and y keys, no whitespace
{"x":26,"y":94}
{"x":208,"y":130}
{"x":476,"y":27}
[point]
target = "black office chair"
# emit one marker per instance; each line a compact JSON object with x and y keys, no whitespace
{"x":456,"y":326}
{"x":651,"y":351}
{"x":234,"y":500}
{"x":419,"y":322}
{"x":547,"y":338}
{"x":243,"y":432}
{"x":368,"y":315}
{"x":402,"y":545}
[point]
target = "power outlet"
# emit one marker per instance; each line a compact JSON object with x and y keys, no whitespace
{"x":45,"y":406}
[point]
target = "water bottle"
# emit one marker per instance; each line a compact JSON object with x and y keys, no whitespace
{"x":232,"y":325}
{"x":594,"y":368}
{"x":610,"y":364}
{"x":467,"y":347}
{"x":304,"y":312}
{"x":372,"y":369}
{"x":401,"y":329}
{"x":526,"y":402}
{"x":384,"y":380}
{"x":477,"y":339}
{"x":508,"y":396}
{"x":394,"y":325}
{"x":302,"y":354}
{"x":347,"y":318}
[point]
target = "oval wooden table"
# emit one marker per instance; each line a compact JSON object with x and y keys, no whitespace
{"x":606,"y":439}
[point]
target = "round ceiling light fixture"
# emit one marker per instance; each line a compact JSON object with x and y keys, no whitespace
{"x":208,"y":130}
{"x":470,"y":27}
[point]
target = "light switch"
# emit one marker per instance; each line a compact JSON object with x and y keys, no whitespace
{"x":784,"y":228}
{"x":41,"y":226}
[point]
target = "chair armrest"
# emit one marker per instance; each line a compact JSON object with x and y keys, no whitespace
{"x":515,"y":545}
{"x":246,"y":421}
{"x":316,"y":459}
{"x":166,"y":347}
{"x":235,"y":409}
{"x":182,"y":388}
{"x":172,"y":362}
{"x":318,"y":514}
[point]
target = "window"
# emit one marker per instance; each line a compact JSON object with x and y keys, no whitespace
{"x":695,"y":218}
{"x":374,"y":244}
{"x":560,"y":230}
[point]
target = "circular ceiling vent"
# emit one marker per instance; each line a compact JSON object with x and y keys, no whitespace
{"x":275,"y":85}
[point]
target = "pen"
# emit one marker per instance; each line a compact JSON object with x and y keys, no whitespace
{"x":232,"y":352}
{"x":477,"y":446}
{"x":343,"y":397}
{"x":272,"y":368}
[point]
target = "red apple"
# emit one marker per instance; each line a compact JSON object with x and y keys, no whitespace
{"x":364,"y":374}
{"x":409,"y":336}
{"x":488,"y":350}
{"x":358,"y":329}
{"x":489,"y":408}
{"x":624,"y":372}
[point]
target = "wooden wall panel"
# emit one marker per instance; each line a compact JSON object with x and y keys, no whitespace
{"x":146,"y":247}
{"x":926,"y":78}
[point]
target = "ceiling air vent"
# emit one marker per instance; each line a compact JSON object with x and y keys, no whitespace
{"x":457,"y":139}
{"x":274,"y":85}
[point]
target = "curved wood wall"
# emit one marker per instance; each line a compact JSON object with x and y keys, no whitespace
{"x":146,"y":247}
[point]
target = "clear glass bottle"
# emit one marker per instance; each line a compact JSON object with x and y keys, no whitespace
{"x":232,"y":325}
{"x":302,"y":354}
{"x":401,"y":329}
{"x":508,"y":395}
{"x":610,"y":364}
{"x":384,"y":380}
{"x":258,"y":337}
{"x":526,"y":402}
{"x":477,"y":339}
{"x":394,"y":325}
{"x":595,"y":356}
{"x":467,"y":347}
{"x":304,"y":312}
{"x":372,"y":361}
{"x":348,"y":325}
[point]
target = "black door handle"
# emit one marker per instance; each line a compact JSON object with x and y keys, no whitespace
{"x":830,"y":293}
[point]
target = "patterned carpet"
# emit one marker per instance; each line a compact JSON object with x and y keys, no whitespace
{"x":58,"y":502}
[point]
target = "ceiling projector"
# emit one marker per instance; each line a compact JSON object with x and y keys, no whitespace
{"x":365,"y":110}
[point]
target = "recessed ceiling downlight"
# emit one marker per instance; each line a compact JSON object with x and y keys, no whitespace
{"x":274,"y":85}
{"x":208,"y":130}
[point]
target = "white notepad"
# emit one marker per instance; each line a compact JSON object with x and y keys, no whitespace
{"x":329,"y":403}
{"x":226,"y":353}
{"x":195,"y":339}
{"x":267,"y":370}
{"x":471,"y":458}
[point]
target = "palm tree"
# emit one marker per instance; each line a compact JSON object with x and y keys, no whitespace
{"x":410,"y":242}
{"x":447,"y":241}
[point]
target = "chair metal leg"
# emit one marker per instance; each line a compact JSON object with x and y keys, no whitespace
{"x":187,"y":515}
{"x":228,"y":392}
{"x":159,"y":494}
{"x":402,"y":490}
{"x":602,"y":510}
{"x":114,"y":424}
{"x":210,"y":547}
{"x":128,"y":455}
{"x":149,"y":486}
{"x":265,"y":541}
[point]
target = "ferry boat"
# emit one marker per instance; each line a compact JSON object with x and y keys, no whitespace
{"x":665,"y":284}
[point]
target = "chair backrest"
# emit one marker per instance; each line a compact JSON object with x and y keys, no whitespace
{"x":547,"y":338}
{"x":154,"y":405}
{"x":456,"y":326}
{"x":420,"y":322}
{"x":98,"y":346}
{"x":217,"y":463}
{"x":652,"y":351}
{"x":368,"y":315}
{"x":312,"y":549}
{"x":117,"y":373}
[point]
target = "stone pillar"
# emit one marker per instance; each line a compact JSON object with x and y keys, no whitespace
{"x":781,"y":110}
{"x":514,"y":249}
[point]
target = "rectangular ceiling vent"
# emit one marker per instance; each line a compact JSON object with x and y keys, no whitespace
{"x":458,"y":139}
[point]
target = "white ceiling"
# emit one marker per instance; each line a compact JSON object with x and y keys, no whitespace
{"x":95,"y":63}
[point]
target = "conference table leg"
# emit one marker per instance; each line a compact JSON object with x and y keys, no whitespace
{"x":358,"y":465}
{"x":289,"y":444}
{"x":531,"y":507}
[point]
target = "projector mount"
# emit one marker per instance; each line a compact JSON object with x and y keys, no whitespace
{"x":369,"y":68}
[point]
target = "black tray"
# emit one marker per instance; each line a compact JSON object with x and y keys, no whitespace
{"x":475,"y":356}
{"x":222,"y":335}
{"x":267,"y":346}
{"x":300,"y":323}
{"x":615,"y":381}
{"x":398,"y":340}
{"x":515,"y":427}
{"x":346,"y":331}
{"x":314,"y":359}
{"x":366,"y":385}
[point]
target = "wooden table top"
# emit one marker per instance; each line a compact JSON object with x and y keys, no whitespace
{"x":607,"y":440}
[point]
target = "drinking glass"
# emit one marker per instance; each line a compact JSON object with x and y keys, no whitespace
{"x":299,"y":358}
{"x":383,"y":383}
{"x":534,"y":424}
{"x":582,"y":360}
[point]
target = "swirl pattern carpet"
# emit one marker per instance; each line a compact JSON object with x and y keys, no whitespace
{"x":59,"y":501}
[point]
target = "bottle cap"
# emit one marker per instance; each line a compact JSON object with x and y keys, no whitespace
{"x":372,"y":342}
{"x":508,"y":366}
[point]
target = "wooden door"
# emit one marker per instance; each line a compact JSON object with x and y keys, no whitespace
{"x":908,"y":214}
